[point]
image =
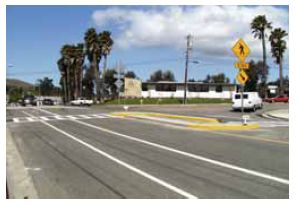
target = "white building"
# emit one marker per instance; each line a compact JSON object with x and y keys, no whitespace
{"x":194,"y":90}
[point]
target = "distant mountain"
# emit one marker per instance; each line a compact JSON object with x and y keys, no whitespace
{"x":18,"y":83}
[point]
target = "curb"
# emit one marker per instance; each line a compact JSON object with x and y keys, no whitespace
{"x":200,"y":123}
{"x":269,"y":115}
{"x":180,"y":117}
{"x":223,"y":127}
{"x":19,"y":182}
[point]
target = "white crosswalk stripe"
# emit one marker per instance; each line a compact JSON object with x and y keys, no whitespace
{"x":59,"y":117}
{"x":265,"y":124}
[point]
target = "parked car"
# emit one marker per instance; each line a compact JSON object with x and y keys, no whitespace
{"x":251,"y":101}
{"x":280,"y":98}
{"x":47,"y":102}
{"x":82,"y":101}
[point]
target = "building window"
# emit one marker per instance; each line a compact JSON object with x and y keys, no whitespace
{"x":166,"y":87}
{"x":198,"y":88}
{"x":144,"y":87}
{"x":219,"y":88}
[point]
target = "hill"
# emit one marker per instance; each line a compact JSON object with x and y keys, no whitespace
{"x":13,"y":83}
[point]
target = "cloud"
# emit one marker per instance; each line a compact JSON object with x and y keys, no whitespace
{"x":215,"y":28}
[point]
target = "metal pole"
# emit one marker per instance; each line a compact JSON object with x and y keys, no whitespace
{"x":189,"y":47}
{"x":242,"y":103}
{"x":118,"y":88}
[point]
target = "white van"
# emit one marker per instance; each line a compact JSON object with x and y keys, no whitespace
{"x":251,"y":101}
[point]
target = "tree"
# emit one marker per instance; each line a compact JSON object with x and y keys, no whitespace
{"x":162,"y":76}
{"x":88,"y":85}
{"x":45,"y":86}
{"x":218,"y":78}
{"x":94,"y":53}
{"x":109,"y":80}
{"x":63,"y":80}
{"x":278,"y":47}
{"x":130,"y":74}
{"x":65,"y":66}
{"x":79,"y":56}
{"x":259,"y":25}
{"x":255,"y":74}
{"x":106,"y":43}
{"x":70,"y":65}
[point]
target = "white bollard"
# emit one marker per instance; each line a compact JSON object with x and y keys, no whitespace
{"x":125,"y":108}
{"x":244,"y":119}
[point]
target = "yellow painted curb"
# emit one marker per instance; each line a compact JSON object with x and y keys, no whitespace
{"x":223,"y":126}
{"x":170,"y":116}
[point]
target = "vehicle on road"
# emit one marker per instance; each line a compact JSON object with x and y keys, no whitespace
{"x":29,"y":100}
{"x":280,"y":98}
{"x":81,"y":102}
{"x":251,"y":101}
{"x":47,"y":102}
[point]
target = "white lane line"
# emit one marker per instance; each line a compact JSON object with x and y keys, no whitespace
{"x":84,"y":116}
{"x":29,"y":119}
{"x":16,"y":120}
{"x":214,"y":162}
{"x":128,"y":166}
{"x":44,"y":118}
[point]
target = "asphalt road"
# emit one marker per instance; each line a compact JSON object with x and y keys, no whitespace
{"x":124,"y":158}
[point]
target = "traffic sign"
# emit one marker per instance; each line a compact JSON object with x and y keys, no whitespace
{"x":118,"y":83}
{"x":242,"y":65}
{"x":241,"y":50}
{"x":242,"y":77}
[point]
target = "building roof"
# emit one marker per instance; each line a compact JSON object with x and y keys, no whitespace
{"x":182,"y":83}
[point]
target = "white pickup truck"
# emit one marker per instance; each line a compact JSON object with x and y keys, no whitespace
{"x":81,"y":102}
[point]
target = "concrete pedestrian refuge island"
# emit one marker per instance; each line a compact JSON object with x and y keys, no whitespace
{"x":202,"y":123}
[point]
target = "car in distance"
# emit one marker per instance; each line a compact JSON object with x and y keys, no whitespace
{"x":29,"y":100}
{"x":81,"y":102}
{"x":251,"y":101}
{"x":47,"y":102}
{"x":280,"y":98}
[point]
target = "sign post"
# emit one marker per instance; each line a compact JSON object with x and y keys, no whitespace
{"x":241,"y":50}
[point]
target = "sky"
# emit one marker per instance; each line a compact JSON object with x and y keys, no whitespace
{"x":146,"y":38}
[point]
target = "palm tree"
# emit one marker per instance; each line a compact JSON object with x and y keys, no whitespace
{"x":259,"y":25}
{"x":106,"y":45}
{"x":93,"y":52}
{"x":278,"y":47}
{"x":62,"y":68}
{"x":67,"y":53}
{"x":78,"y":53}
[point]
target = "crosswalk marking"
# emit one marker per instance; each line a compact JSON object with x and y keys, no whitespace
{"x":16,"y":120}
{"x":59,"y":117}
{"x":98,"y":116}
{"x":71,"y":117}
{"x":267,"y":124}
{"x":84,"y":116}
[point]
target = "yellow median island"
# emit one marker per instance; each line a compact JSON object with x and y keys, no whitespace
{"x":202,"y":123}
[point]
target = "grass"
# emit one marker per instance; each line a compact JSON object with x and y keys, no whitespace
{"x":168,"y":101}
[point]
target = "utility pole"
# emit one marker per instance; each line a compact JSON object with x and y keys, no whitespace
{"x":188,"y":52}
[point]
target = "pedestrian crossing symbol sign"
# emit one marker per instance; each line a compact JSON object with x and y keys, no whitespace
{"x":242,"y":77}
{"x":241,"y":50}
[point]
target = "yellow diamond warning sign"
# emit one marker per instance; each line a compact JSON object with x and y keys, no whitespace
{"x":242,"y":77}
{"x":241,"y":50}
